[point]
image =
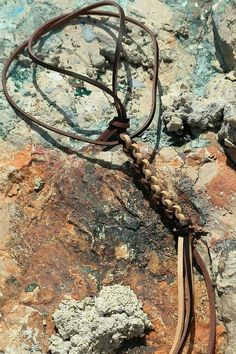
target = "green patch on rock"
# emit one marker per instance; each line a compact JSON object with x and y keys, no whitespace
{"x":20,"y":75}
{"x":199,"y":143}
{"x":31,"y":287}
{"x":82,"y":91}
{"x":2,"y":132}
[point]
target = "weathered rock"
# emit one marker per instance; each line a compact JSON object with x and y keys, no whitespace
{"x":175,"y":124}
{"x":181,"y":108}
{"x":226,"y":281}
{"x":228,"y":130}
{"x":224,"y":27}
{"x":105,"y":233}
{"x":100,"y":324}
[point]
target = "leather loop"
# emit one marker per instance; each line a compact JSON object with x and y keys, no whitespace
{"x":59,"y":21}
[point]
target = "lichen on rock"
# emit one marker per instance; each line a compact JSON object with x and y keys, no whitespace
{"x":98,"y":325}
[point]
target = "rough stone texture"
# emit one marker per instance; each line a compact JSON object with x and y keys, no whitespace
{"x":99,"y":325}
{"x":73,"y":218}
{"x":125,"y":241}
{"x":182,"y":109}
{"x":224,"y":26}
{"x":228,"y":129}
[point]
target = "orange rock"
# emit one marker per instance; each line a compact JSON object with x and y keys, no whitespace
{"x":221,"y":339}
{"x":17,"y":159}
{"x":121,"y":251}
{"x":46,"y":295}
{"x":29,"y":298}
{"x":154,"y":263}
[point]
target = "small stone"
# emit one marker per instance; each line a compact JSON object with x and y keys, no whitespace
{"x":231,"y":75}
{"x":38,"y":183}
{"x":182,"y":31}
{"x":175,"y":124}
{"x":89,"y":34}
{"x":98,"y":61}
{"x":168,"y":55}
{"x":229,"y":144}
{"x":121,"y":251}
{"x":187,"y":149}
{"x":31,"y":297}
{"x":14,"y":190}
{"x":108,"y":53}
{"x":154,"y":263}
{"x":216,"y":66}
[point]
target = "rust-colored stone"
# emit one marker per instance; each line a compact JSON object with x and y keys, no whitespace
{"x":89,"y":226}
{"x":222,"y":187}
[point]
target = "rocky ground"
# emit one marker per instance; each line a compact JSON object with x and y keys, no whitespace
{"x":73,"y":217}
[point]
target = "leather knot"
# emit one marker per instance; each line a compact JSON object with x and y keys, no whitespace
{"x":184,"y":227}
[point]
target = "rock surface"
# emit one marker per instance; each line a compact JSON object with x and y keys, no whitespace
{"x":224,"y":26}
{"x":73,"y":217}
{"x":181,"y":109}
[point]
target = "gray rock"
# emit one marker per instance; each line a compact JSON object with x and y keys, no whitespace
{"x":88,"y":33}
{"x":226,"y":281}
{"x":97,"y":60}
{"x":98,"y":325}
{"x":224,"y":27}
{"x":168,"y":55}
{"x":175,"y":124}
{"x":182,"y":108}
{"x":230,"y":114}
{"x":108,"y":53}
{"x":227,"y":132}
{"x":206,"y":114}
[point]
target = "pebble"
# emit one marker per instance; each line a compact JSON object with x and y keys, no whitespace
{"x":89,"y":35}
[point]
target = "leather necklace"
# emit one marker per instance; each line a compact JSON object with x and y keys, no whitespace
{"x":116,"y":134}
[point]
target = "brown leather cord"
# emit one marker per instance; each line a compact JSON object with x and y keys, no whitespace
{"x":116,"y":126}
{"x":186,"y":298}
{"x":60,"y":21}
{"x":211,"y":297}
{"x":181,"y":297}
{"x":189,"y":300}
